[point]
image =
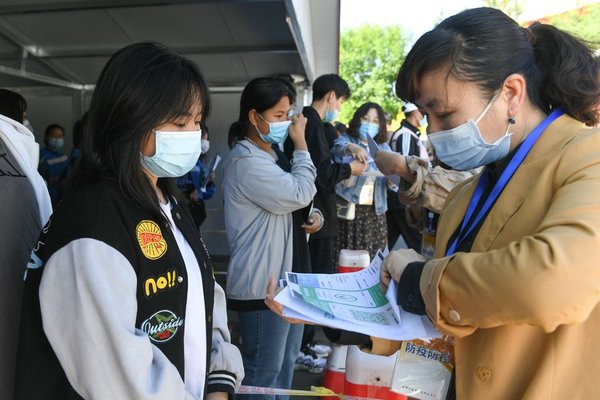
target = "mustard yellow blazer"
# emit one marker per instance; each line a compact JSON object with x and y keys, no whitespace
{"x":523,"y":305}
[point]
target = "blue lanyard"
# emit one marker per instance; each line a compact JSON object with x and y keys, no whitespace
{"x":500,"y":184}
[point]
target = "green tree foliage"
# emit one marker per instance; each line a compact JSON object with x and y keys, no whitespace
{"x":583,"y":22}
{"x":512,"y":8}
{"x":370,"y":57}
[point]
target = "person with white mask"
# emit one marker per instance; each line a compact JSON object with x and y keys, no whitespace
{"x":262,"y":192}
{"x":120,"y":300}
{"x":515,"y":277}
{"x":367,"y":230}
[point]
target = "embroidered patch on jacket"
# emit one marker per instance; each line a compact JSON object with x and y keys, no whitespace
{"x":162,"y":326}
{"x":151,"y":240}
{"x":153,"y":285}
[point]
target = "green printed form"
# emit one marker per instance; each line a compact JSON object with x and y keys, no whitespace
{"x":355,"y":297}
{"x":324,"y":298}
{"x":353,"y":302}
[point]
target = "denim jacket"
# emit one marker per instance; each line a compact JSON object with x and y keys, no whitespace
{"x":349,"y":189}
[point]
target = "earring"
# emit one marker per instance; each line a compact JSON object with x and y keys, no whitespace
{"x":511,"y":120}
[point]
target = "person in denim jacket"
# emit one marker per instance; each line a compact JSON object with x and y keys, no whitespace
{"x":368,"y":229}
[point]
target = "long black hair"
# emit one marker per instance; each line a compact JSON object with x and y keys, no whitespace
{"x":484,"y":46}
{"x":355,"y":122}
{"x":142,"y":86}
{"x":260,"y":94}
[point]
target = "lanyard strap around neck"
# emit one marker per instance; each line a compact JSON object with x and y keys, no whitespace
{"x":507,"y":174}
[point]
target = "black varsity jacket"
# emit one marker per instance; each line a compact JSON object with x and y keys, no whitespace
{"x":105,"y":300}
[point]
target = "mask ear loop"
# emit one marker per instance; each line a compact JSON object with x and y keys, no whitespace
{"x":487,"y":107}
{"x":328,"y":104}
{"x":256,"y":126}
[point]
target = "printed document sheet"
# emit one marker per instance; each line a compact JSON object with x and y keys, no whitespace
{"x":354,"y":302}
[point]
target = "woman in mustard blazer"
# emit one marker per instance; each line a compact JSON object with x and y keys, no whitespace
{"x":516,"y":273}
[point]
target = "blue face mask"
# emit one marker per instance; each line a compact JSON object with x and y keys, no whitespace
{"x":176,"y":153}
{"x":278,"y":131}
{"x":463,"y":148}
{"x":331,"y":114}
{"x":368,"y":129}
{"x":56,"y":143}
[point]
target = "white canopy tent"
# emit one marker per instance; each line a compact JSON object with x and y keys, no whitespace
{"x":52,"y":51}
{"x":66,"y":43}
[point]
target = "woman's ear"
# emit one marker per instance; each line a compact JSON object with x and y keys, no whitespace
{"x":252,"y":117}
{"x":330,"y":96}
{"x":514,"y":93}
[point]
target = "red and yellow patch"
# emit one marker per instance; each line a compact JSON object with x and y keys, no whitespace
{"x":151,"y":240}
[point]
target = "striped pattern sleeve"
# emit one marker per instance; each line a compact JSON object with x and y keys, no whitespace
{"x":226,"y":370}
{"x":221,"y":381}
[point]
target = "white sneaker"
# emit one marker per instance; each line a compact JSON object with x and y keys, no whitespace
{"x":321,"y":350}
{"x":302,"y":362}
{"x":318,"y":365}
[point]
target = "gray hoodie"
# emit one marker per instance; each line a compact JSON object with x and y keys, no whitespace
{"x":259,"y":200}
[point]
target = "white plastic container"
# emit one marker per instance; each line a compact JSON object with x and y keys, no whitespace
{"x":353,"y":260}
{"x":369,"y":375}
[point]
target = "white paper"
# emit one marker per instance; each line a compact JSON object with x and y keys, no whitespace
{"x":217,"y":160}
{"x":212,"y":167}
{"x":349,"y":159}
{"x":420,"y":325}
{"x":357,"y":299}
{"x":373,"y":149}
{"x":372,"y":172}
{"x":373,"y":146}
{"x":352,"y":301}
{"x":312,"y":314}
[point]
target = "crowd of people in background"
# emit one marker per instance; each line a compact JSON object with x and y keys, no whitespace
{"x":283,"y":182}
{"x":123,"y":255}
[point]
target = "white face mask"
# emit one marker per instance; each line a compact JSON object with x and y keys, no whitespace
{"x":175,"y":155}
{"x":462,"y":148}
{"x":205,"y":145}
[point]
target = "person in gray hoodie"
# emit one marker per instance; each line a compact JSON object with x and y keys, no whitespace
{"x":260,"y":198}
{"x":24,"y":208}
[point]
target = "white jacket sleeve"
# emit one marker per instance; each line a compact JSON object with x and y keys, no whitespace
{"x":26,"y":151}
{"x":226,"y":370}
{"x":88,"y":304}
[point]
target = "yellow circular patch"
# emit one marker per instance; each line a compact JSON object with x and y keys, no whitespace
{"x":151,"y":240}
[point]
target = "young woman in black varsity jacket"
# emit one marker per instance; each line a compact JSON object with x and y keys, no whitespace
{"x":120,"y":300}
